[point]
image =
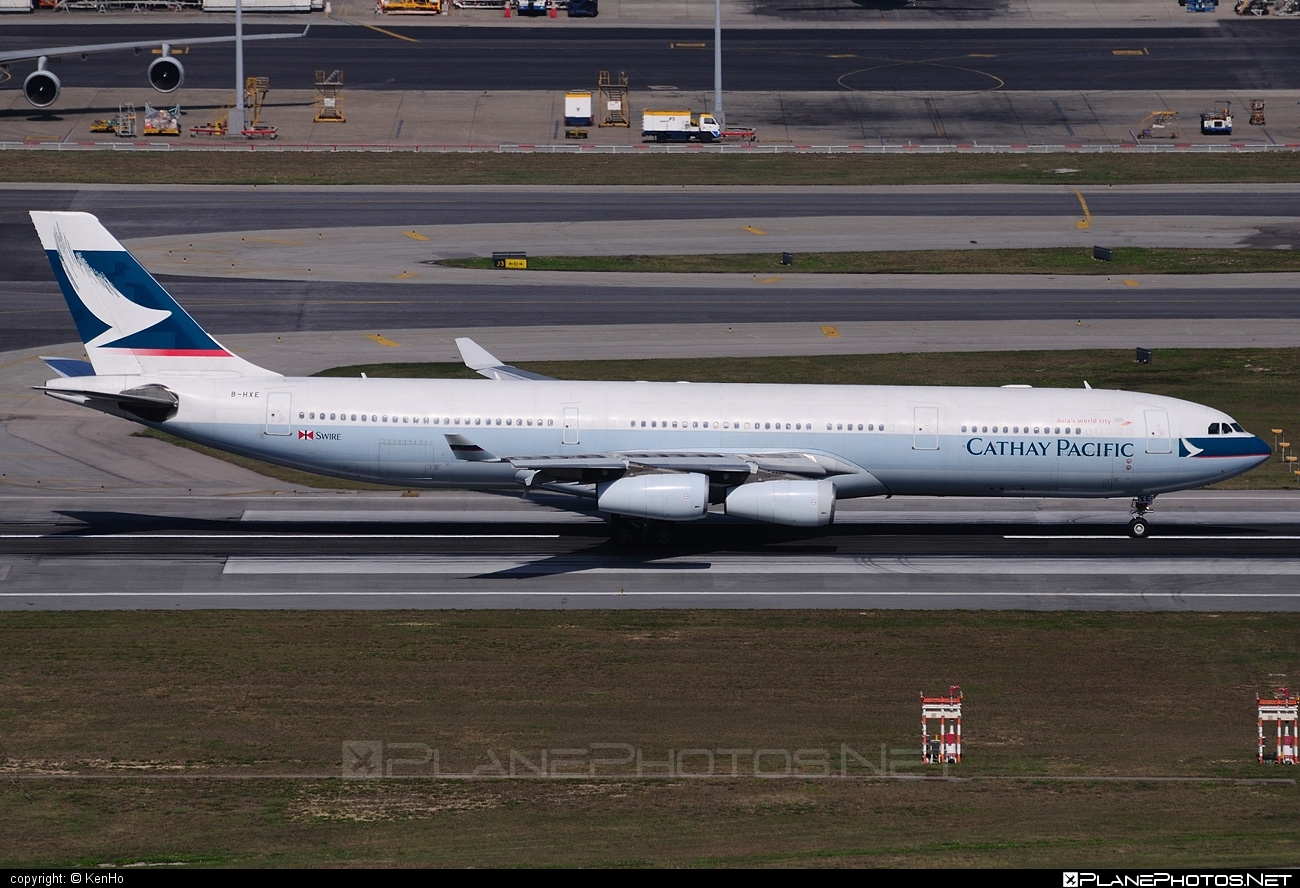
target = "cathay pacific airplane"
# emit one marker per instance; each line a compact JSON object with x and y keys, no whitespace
{"x":647,"y":454}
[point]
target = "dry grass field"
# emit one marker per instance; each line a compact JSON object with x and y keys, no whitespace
{"x":216,"y":738}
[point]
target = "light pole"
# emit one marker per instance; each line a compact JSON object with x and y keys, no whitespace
{"x":717,"y":63}
{"x":235,"y":121}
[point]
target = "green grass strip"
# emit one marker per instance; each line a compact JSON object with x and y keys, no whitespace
{"x":699,"y":168}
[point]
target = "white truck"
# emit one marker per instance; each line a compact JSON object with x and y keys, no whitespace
{"x":679,"y":126}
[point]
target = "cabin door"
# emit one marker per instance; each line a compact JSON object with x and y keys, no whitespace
{"x":570,"y":425}
{"x":925,"y":430}
{"x":1158,"y":432}
{"x":278,"y":410}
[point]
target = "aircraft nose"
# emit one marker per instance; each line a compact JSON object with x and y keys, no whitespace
{"x":1259,"y":449}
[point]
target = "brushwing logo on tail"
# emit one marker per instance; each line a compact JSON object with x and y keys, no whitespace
{"x":122,"y":316}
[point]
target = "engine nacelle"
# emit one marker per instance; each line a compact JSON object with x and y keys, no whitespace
{"x":166,"y":74}
{"x":42,"y":88}
{"x":663,"y":497}
{"x":792,"y":503}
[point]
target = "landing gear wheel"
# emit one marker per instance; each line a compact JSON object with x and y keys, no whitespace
{"x":624,"y":532}
{"x":663,"y":535}
{"x":1138,"y":528}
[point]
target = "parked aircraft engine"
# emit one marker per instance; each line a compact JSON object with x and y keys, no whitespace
{"x":793,"y":503}
{"x":42,"y":88}
{"x":166,"y":74}
{"x":662,"y":497}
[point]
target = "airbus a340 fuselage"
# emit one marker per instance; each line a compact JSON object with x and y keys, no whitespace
{"x":643,"y":451}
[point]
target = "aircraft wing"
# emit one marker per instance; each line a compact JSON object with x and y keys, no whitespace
{"x":56,"y":51}
{"x":722,"y":468}
{"x":484,"y":363}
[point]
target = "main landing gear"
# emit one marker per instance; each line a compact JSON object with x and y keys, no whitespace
{"x":1139,"y":527}
{"x":634,"y":531}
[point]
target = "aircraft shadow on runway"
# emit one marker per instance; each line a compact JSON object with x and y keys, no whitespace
{"x":556,"y":550}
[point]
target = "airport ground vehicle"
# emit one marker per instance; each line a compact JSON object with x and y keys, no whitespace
{"x":679,"y":126}
{"x":649,"y":454}
{"x":583,"y":8}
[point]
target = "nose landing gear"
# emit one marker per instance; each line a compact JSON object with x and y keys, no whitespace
{"x":1139,"y":527}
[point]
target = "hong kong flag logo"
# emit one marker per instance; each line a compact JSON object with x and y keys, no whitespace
{"x":306,"y":433}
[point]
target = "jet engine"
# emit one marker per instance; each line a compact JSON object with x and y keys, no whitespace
{"x":663,"y":497}
{"x":41,"y":87}
{"x":166,"y":74}
{"x":793,"y":503}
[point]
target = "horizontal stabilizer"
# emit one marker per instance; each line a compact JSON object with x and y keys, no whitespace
{"x":152,"y":403}
{"x":484,"y":363}
{"x":68,"y":367}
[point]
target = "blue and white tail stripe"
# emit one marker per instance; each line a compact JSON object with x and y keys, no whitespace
{"x":128,"y":322}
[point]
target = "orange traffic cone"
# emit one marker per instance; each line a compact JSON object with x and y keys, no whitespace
{"x":553,"y":9}
{"x":507,"y":8}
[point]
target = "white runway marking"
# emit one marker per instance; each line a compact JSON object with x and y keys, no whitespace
{"x":411,"y":516}
{"x":1124,"y":536}
{"x":666,"y":594}
{"x":279,"y":536}
{"x":743,"y":566}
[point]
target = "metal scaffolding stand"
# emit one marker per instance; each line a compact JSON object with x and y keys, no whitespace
{"x":255,"y":90}
{"x":124,"y":125}
{"x":329,"y":97}
{"x":615,"y":100}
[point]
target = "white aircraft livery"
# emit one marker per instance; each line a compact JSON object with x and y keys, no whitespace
{"x":648,"y":454}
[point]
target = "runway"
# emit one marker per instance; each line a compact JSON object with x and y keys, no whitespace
{"x":1212,"y":551}
{"x":118,"y":535}
{"x":446,"y":298}
{"x":134,"y":211}
{"x":770,"y":59}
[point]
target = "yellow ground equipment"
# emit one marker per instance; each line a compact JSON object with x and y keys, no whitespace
{"x":162,"y":121}
{"x":255,"y":90}
{"x":329,"y":97}
{"x":615,"y":101}
{"x":409,"y":7}
{"x":123,"y":125}
{"x":1159,"y":125}
{"x":1256,"y":113}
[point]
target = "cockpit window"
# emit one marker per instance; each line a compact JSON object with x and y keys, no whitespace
{"x":1214,"y":428}
{"x":1236,"y":427}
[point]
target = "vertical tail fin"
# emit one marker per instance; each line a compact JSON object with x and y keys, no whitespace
{"x":131,"y":326}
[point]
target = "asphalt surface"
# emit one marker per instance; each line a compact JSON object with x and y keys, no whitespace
{"x":151,"y":212}
{"x":1216,"y":552}
{"x":36,"y":315}
{"x":1211,"y":551}
{"x":1233,"y":55}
